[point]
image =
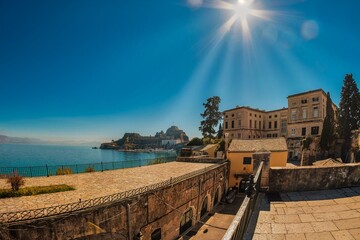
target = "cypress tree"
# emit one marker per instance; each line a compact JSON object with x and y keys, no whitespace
{"x":349,"y":113}
{"x":328,"y":131}
{"x":220,"y":132}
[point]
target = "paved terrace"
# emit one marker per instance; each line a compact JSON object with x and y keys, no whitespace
{"x":327,"y":214}
{"x":97,"y":184}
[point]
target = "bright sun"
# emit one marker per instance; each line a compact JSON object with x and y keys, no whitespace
{"x":242,"y":10}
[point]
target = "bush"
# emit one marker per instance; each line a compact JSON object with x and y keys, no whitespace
{"x":64,"y":171}
{"x":16,"y":181}
{"x":90,"y":169}
{"x":157,"y":161}
{"x":30,"y":191}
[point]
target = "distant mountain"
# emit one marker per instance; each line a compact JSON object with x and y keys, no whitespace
{"x":25,"y":140}
{"x":7,"y":139}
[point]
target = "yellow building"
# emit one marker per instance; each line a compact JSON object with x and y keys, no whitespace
{"x":240,"y":155}
{"x":210,"y":150}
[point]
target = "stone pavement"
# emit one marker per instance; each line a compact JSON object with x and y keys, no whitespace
{"x":96,"y":184}
{"x":327,"y":214}
{"x":216,"y":224}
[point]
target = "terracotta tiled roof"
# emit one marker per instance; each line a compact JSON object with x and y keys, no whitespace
{"x":272,"y":144}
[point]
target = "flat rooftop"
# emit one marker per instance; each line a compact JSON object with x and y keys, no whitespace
{"x":96,"y":184}
{"x":327,"y":214}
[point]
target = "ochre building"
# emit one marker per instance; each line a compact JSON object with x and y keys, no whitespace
{"x":303,"y":117}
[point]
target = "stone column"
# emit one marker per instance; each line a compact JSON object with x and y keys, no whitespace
{"x":262,"y":156}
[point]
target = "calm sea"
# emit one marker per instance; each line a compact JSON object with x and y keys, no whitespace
{"x":24,"y":155}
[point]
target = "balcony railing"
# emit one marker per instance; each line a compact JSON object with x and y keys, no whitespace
{"x":307,"y":119}
{"x":241,"y":220}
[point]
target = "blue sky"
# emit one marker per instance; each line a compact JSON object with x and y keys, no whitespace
{"x":93,"y":70}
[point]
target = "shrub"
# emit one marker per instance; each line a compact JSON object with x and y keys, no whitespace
{"x":64,"y":171}
{"x":16,"y":181}
{"x":157,"y":161}
{"x":30,"y":191}
{"x":90,"y":169}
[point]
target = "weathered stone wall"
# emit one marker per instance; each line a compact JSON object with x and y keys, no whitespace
{"x":313,"y":178}
{"x":200,"y":159}
{"x":161,"y":208}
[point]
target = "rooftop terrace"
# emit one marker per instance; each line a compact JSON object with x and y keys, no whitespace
{"x":326,"y":214}
{"x":96,"y":184}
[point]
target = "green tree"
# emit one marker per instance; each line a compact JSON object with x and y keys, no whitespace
{"x":220,"y":132}
{"x":211,"y":117}
{"x":328,"y":131}
{"x":349,"y":113}
{"x":195,"y":142}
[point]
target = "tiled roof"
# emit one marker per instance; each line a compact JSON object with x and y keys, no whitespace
{"x":272,"y":144}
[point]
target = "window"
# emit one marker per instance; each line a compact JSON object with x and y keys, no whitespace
{"x":156,"y":235}
{"x":250,"y":114}
{"x":293,"y":132}
{"x":255,"y":124}
{"x":314,"y":130}
{"x":226,"y":125}
{"x":315,"y":99}
{"x":260,"y":125}
{"x":239,"y":123}
{"x":275,"y":116}
{"x":269,"y":125}
{"x":303,"y":101}
{"x":247,"y":160}
{"x":303,"y":132}
{"x":259,"y":116}
{"x":232,"y":124}
{"x":275,"y":124}
{"x":250,"y":123}
{"x":232,"y":115}
{"x":254,"y":136}
{"x":270,"y":117}
{"x":226,"y":116}
{"x":304,"y":113}
{"x":268,"y":135}
{"x":255,"y":115}
{"x":283,"y":126}
{"x":316,"y":112}
{"x":186,"y":221}
{"x":275,"y":135}
{"x":293,"y":114}
{"x":249,"y":136}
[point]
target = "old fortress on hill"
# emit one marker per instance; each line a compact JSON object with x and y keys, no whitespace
{"x":304,"y":116}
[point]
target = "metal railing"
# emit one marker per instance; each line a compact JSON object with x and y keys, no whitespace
{"x":11,"y":217}
{"x":38,"y":171}
{"x":241,"y":220}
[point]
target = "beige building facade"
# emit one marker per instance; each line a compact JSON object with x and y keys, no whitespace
{"x":303,"y":117}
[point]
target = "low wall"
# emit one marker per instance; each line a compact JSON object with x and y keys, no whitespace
{"x":313,"y":178}
{"x":200,"y":159}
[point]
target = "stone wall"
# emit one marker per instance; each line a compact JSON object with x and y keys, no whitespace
{"x":160,"y":208}
{"x":313,"y":178}
{"x":200,"y":159}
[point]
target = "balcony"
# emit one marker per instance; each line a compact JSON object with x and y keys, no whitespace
{"x":308,"y":119}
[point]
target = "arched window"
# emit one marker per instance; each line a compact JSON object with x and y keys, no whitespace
{"x":186,"y":221}
{"x":156,"y":235}
{"x":216,"y":197}
{"x":204,"y":207}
